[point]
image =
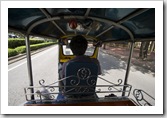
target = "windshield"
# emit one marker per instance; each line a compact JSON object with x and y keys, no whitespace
{"x":89,"y":52}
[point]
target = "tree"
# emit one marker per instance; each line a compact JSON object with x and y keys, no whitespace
{"x":144,"y":49}
{"x":152,"y":45}
{"x":104,"y":45}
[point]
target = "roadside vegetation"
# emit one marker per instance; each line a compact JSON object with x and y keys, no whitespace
{"x":144,"y":48}
{"x":17,"y":45}
{"x":143,"y":53}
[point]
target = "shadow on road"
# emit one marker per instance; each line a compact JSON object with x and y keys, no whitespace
{"x":109,"y":62}
{"x":118,"y":58}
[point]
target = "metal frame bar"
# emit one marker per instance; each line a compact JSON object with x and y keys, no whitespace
{"x":124,"y":19}
{"x":138,"y":12}
{"x":82,"y":17}
{"x":128,"y":67}
{"x":86,"y":15}
{"x":115,"y":24}
{"x":105,"y":31}
{"x":29,"y":65}
{"x":87,"y":12}
{"x":48,"y":16}
{"x":106,"y":89}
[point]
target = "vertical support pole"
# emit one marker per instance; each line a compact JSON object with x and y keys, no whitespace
{"x":29,"y":65}
{"x":128,"y":68}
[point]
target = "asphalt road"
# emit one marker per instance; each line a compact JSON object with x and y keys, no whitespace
{"x":45,"y":66}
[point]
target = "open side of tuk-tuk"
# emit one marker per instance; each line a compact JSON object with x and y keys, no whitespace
{"x":98,"y":26}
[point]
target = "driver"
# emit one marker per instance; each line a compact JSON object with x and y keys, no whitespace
{"x":78,"y":46}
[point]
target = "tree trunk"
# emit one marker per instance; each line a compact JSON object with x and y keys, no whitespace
{"x":147,"y":43}
{"x":152,"y":46}
{"x":144,"y":49}
{"x":141,"y":55}
{"x":104,"y":46}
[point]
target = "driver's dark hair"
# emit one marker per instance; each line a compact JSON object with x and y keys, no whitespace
{"x":78,"y":45}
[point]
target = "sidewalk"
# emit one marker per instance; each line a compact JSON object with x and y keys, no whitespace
{"x":123,"y":53}
{"x":22,"y":56}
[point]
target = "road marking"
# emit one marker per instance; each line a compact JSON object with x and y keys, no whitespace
{"x":17,"y":66}
{"x":31,"y":58}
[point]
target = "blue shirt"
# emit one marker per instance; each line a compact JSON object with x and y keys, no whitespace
{"x":82,"y":58}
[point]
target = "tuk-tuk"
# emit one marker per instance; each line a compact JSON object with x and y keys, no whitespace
{"x":98,"y":26}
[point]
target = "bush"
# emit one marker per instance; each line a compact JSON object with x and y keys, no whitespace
{"x":36,"y":41}
{"x":12,"y":52}
{"x":22,"y":49}
{"x":13,"y":43}
{"x":41,"y":45}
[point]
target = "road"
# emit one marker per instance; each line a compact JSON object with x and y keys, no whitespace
{"x":45,"y":66}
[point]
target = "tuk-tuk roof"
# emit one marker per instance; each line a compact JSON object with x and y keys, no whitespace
{"x":104,"y":24}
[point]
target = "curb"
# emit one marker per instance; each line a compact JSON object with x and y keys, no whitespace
{"x":23,"y":56}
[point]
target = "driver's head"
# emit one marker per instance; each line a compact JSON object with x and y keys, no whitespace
{"x":78,"y":45}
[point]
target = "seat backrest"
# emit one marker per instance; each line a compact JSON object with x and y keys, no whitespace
{"x":81,"y":78}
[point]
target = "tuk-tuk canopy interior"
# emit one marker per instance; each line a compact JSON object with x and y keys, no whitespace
{"x":103,"y":24}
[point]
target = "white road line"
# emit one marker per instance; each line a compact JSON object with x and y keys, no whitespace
{"x":16,"y":66}
{"x":31,"y":59}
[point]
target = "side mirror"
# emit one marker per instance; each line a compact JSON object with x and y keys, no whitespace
{"x":97,"y":43}
{"x":64,"y":42}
